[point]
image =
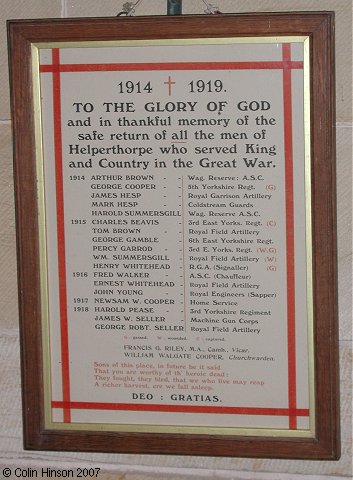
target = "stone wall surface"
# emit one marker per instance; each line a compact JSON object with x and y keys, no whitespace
{"x":148,"y":467}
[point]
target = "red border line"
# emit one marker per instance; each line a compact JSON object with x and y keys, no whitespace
{"x":65,"y":367}
{"x":288,"y":147}
{"x":129,"y":67}
{"x":300,"y":412}
{"x":286,"y":65}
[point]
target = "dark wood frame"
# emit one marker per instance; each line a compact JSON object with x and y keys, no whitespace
{"x":320,"y":27}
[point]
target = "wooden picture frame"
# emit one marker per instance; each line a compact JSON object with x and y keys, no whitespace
{"x":144,"y":47}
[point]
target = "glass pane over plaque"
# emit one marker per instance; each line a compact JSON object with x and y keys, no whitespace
{"x":176,"y":235}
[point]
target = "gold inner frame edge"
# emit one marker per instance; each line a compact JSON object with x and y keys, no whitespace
{"x":227,"y":431}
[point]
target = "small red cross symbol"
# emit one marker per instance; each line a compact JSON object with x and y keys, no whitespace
{"x":169,"y":83}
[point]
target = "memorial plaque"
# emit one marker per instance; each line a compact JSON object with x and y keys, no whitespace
{"x":173,"y":192}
